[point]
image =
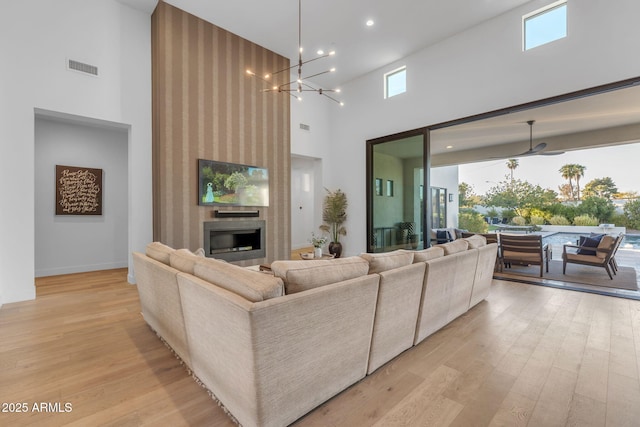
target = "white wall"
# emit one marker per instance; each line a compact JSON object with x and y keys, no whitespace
{"x":310,"y":148}
{"x":71,"y":243}
{"x":480,"y":70}
{"x":38,"y":36}
{"x":447,"y":177}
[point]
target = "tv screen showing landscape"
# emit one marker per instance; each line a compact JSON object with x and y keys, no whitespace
{"x":232,"y":184}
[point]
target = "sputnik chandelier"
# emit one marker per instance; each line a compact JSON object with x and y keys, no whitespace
{"x":301,"y":84}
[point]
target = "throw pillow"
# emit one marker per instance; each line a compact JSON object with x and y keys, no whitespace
{"x":252,"y":285}
{"x":443,"y":236}
{"x":590,"y":242}
{"x":159,"y":252}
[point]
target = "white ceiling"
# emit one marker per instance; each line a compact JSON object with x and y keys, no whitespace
{"x":401,"y":27}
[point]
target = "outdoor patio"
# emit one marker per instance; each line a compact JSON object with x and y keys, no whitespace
{"x":626,"y":259}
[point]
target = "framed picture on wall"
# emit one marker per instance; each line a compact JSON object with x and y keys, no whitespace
{"x":78,"y":190}
{"x":378,"y":187}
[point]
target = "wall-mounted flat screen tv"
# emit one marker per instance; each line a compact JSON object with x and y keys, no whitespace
{"x":232,"y":184}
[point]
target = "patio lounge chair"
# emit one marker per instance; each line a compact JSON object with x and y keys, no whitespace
{"x":602,"y":254}
{"x":525,"y":249}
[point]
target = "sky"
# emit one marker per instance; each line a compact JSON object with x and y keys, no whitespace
{"x":621,"y":163}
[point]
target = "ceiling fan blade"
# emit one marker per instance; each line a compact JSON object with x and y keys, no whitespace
{"x":538,"y":147}
{"x":551,"y":153}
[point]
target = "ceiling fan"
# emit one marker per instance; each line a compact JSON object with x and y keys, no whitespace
{"x":537,"y":150}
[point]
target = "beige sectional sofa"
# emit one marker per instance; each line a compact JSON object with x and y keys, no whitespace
{"x":271,"y":347}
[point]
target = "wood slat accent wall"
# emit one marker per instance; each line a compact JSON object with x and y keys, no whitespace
{"x":206,"y":106}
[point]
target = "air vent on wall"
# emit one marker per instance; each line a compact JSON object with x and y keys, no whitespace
{"x":305,"y":127}
{"x":82,"y":67}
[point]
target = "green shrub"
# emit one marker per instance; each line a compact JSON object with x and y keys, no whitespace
{"x":620,"y":220}
{"x":536,"y":220}
{"x":598,"y":207}
{"x":472,"y":222}
{"x":585,"y":220}
{"x":508,"y":214}
{"x":518,"y":220}
{"x":632,"y":213}
{"x":567,"y":211}
{"x":559,"y":220}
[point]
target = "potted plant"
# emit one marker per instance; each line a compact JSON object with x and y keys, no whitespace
{"x":334,"y":214}
{"x":318,"y":242}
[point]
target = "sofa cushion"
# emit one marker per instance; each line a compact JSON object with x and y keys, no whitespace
{"x":387,"y":260}
{"x":251,"y":285}
{"x":301,"y":275}
{"x":427,"y":254}
{"x":476,"y":241}
{"x":454,"y":247}
{"x":184,"y":260}
{"x":159,"y":251}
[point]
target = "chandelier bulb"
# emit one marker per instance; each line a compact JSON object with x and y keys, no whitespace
{"x":332,"y":70}
{"x":333,"y":52}
{"x":266,"y":76}
{"x":320,"y":52}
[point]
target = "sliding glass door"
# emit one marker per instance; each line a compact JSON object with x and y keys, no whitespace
{"x":395,"y":193}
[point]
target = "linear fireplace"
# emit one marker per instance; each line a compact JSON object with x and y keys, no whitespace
{"x":234,"y":240}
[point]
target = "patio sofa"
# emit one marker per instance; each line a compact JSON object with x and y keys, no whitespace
{"x":271,"y":347}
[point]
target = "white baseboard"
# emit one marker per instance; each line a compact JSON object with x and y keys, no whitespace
{"x":56,"y":271}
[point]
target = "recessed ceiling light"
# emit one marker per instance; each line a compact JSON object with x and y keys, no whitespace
{"x":370,"y":22}
{"x":449,"y":146}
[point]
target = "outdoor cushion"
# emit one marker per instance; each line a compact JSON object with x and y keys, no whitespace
{"x":522,"y":256}
{"x":585,"y":258}
{"x":159,"y":251}
{"x":606,"y":243}
{"x":252,"y":285}
{"x":388,"y":260}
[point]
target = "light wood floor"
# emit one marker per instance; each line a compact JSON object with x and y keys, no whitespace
{"x":529,"y":355}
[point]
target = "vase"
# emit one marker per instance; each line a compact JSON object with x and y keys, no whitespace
{"x":317,"y":252}
{"x":335,"y":248}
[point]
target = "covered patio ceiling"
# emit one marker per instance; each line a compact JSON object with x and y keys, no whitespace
{"x":603,"y":119}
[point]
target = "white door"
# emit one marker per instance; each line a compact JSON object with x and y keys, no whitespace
{"x":303,"y":206}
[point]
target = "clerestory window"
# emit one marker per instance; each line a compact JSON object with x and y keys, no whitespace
{"x":395,"y":82}
{"x":544,"y":25}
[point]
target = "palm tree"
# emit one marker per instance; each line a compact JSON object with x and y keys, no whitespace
{"x":578,"y":173}
{"x":567,"y":172}
{"x":512,"y":164}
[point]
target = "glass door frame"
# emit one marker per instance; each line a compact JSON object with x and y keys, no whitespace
{"x":370,"y":179}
